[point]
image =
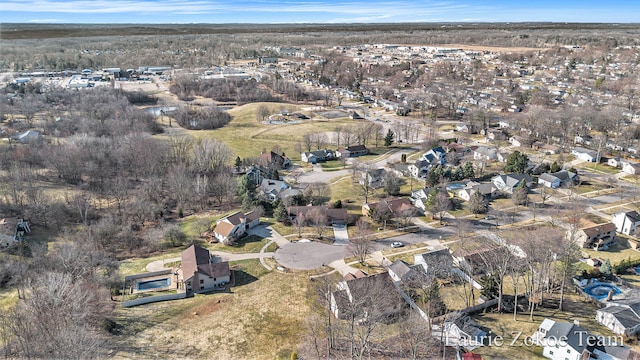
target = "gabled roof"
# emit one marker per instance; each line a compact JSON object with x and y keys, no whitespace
{"x":215,"y":270}
{"x":599,"y":229}
{"x":356,"y":275}
{"x":223,"y":228}
{"x":234,"y":219}
{"x":633,"y":215}
{"x":356,"y":148}
{"x":193,"y":256}
{"x":627,"y":312}
{"x":548,"y":177}
{"x":564,"y":175}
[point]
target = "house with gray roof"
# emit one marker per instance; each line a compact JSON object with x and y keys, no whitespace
{"x":436,"y":263}
{"x":626,"y":222}
{"x":508,"y":182}
{"x":622,"y":316}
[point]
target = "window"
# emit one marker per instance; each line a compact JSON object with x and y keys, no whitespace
{"x":550,"y":352}
{"x":188,"y":283}
{"x":214,"y":279}
{"x":201,"y":281}
{"x":201,"y":287}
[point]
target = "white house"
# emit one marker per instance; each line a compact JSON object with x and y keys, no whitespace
{"x":509,"y":182}
{"x":485,"y":153}
{"x":235,"y":226}
{"x":626,"y":222}
{"x":570,"y":341}
{"x":622,"y":316}
{"x":549,"y":181}
{"x":632,"y":168}
{"x":584,"y":154}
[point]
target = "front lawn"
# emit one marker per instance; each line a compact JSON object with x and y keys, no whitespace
{"x":248,"y":244}
{"x":615,"y":254}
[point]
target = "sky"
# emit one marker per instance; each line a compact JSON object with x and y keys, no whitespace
{"x":316,"y":11}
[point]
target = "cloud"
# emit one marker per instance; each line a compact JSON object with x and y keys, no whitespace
{"x":46,"y":21}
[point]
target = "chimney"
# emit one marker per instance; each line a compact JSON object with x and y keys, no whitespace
{"x":610,"y":295}
{"x":576,"y":322}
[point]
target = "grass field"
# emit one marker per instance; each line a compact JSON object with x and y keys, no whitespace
{"x":247,"y":138}
{"x":615,"y":254}
{"x":261,"y":319}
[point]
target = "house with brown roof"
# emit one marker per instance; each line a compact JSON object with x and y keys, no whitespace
{"x":597,"y":237}
{"x":372,"y":298}
{"x":12,"y":230}
{"x":235,"y":226}
{"x":201,"y":272}
{"x":333,"y":215}
{"x":396,"y":206}
{"x":352,"y":151}
{"x":274,"y":160}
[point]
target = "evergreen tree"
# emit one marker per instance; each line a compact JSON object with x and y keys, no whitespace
{"x":516,"y":162}
{"x":468,"y":170}
{"x":238,"y":163}
{"x":388,"y":139}
{"x":606,"y":268}
{"x":555,"y":167}
{"x":280,"y":213}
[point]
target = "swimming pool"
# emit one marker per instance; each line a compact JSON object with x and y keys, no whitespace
{"x":600,"y":291}
{"x":154,"y":284}
{"x":455,"y":186}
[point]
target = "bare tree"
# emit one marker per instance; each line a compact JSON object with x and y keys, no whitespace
{"x":319,"y":220}
{"x":262,"y":113}
{"x":442,"y":204}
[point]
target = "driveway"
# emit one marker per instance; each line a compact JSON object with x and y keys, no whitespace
{"x":308,"y":256}
{"x":340,"y":235}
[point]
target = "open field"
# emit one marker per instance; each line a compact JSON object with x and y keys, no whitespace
{"x":247,"y":138}
{"x":261,"y":319}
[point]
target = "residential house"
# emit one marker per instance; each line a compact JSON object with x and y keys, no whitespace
{"x":397,"y":207}
{"x":632,"y":168}
{"x":374,"y":178}
{"x":517,"y":141}
{"x":235,"y":226}
{"x":549,"y":181}
{"x":435,"y":156}
{"x":507,"y":183}
{"x":316,"y":156}
{"x":400,"y":271}
{"x":585,"y":154}
{"x":419,"y":169}
{"x":436,"y":263}
{"x":352,"y":151}
{"x":28,"y":136}
{"x":13,"y":230}
{"x":614,"y":162}
{"x":333,"y":215}
{"x":272,"y":190}
{"x":597,"y":237}
{"x":463,"y":331}
{"x":363,"y":297}
{"x":570,"y":341}
{"x":621,"y":316}
{"x":626,"y":222}
{"x":557,"y":179}
{"x":485,"y":153}
{"x":487,"y":190}
{"x":462,"y":128}
{"x":272,"y":159}
{"x":494,"y":134}
{"x":200,"y":272}
{"x":420,"y":198}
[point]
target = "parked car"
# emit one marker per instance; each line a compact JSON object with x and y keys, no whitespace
{"x":397,"y":244}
